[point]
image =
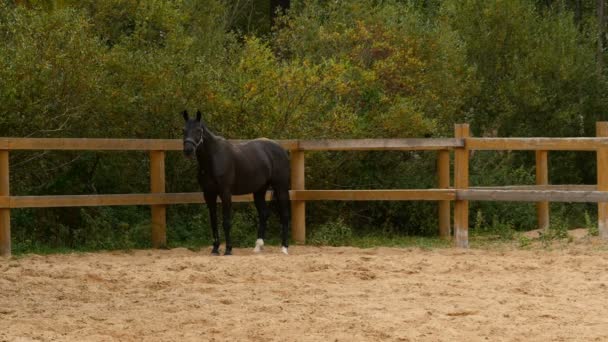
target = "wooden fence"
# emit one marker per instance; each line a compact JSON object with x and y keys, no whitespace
{"x":542,"y":193}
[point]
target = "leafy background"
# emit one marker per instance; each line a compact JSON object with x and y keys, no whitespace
{"x":322,"y":69}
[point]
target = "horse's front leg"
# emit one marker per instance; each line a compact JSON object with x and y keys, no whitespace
{"x":227,"y":219}
{"x":211,"y":200}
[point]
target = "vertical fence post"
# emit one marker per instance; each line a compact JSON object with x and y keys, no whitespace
{"x":542,"y":178}
{"x":601,"y":130}
{"x":5,"y":213}
{"x":461,"y":181}
{"x":159,"y":212}
{"x":443,"y":170}
{"x":298,"y":208}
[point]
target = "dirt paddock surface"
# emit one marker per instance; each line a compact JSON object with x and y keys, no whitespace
{"x":314,"y":294}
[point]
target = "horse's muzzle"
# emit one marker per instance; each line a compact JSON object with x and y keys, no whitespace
{"x":189,"y":153}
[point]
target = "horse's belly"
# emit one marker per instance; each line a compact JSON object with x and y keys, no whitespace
{"x":247,"y":184}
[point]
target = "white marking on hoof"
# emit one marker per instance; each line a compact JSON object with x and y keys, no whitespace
{"x":284,"y":250}
{"x":259,"y":245}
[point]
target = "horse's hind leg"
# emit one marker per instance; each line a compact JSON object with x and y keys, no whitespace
{"x":260,"y":204}
{"x":282,"y":196}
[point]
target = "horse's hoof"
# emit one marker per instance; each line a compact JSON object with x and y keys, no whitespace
{"x":259,"y":246}
{"x":284,"y":250}
{"x":215,"y":253}
{"x":227,"y":253}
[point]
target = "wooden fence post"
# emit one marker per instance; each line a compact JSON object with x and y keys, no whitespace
{"x":298,"y":208}
{"x":443,"y":170}
{"x":159,"y":212}
{"x":5,"y":213}
{"x":601,"y":130}
{"x":542,"y":178}
{"x":461,"y":181}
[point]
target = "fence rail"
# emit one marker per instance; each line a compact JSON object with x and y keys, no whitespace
{"x":88,"y":144}
{"x":542,"y":193}
{"x":537,"y":144}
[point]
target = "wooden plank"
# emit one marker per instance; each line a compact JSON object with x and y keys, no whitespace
{"x":564,"y":187}
{"x":158,"y":212}
{"x":601,"y":129}
{"x":549,"y":144}
{"x":542,"y":178}
{"x":375,"y":195}
{"x":298,"y":207}
{"x":114,"y":199}
{"x":95,"y":144}
{"x":5,"y":213}
{"x":91,"y":144}
{"x":473,"y":194}
{"x":380,"y":144}
{"x":55,"y":201}
{"x":93,"y":200}
{"x":532,"y":195}
{"x":461,"y":181}
{"x":443,"y":175}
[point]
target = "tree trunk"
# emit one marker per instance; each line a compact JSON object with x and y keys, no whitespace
{"x":578,"y":12}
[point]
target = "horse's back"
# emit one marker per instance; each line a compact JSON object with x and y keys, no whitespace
{"x":261,"y":161}
{"x":267,"y":147}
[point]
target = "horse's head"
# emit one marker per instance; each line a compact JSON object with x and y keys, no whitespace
{"x":193,"y":133}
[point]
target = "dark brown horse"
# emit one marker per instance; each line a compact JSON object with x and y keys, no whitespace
{"x":226,"y":169}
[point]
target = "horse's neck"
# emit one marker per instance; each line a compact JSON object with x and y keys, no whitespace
{"x":210,"y":148}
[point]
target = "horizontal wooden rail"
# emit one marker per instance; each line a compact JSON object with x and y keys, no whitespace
{"x":54,"y":201}
{"x":563,"y":187}
{"x":375,"y":195}
{"x":87,"y":144}
{"x":80,"y":144}
{"x":532,"y":195}
{"x":379,"y":144}
{"x":14,"y":202}
{"x":524,"y":193}
{"x":546,"y":144}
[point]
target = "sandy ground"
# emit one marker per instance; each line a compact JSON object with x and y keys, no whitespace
{"x":315,"y":294}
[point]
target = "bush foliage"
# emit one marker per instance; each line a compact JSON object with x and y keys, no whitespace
{"x":325,"y":69}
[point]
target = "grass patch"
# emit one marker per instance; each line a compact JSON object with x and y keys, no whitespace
{"x":494,"y":236}
{"x":400,"y":241}
{"x":21,"y":251}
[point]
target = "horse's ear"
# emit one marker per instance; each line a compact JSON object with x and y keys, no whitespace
{"x":198,"y":115}
{"x":185,"y":115}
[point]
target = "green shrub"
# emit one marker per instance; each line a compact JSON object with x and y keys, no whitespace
{"x":332,"y":233}
{"x":591,"y":225}
{"x":350,"y":69}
